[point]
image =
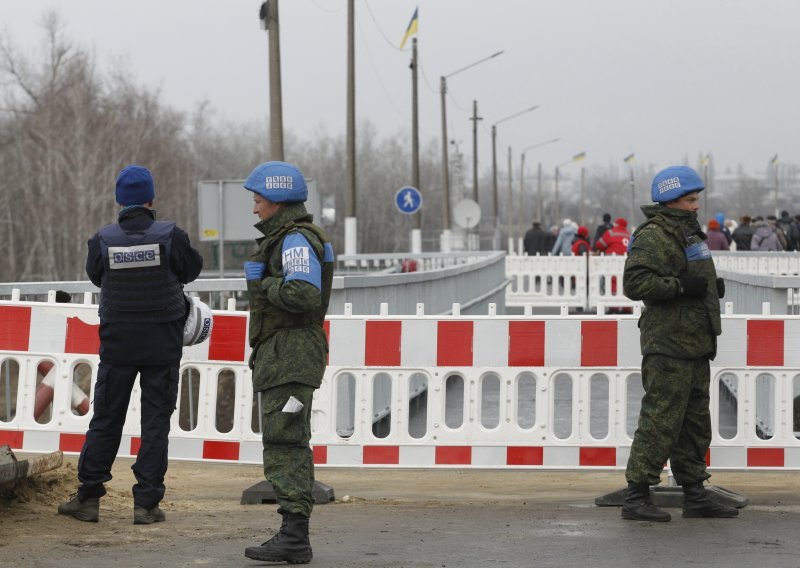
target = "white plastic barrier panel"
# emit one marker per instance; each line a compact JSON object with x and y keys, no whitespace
{"x":546,"y":281}
{"x":605,"y":282}
{"x":421,"y":391}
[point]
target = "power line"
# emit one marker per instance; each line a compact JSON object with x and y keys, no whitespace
{"x":375,"y":69}
{"x":379,"y":28}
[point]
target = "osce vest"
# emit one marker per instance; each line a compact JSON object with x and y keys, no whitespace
{"x":138,"y":283}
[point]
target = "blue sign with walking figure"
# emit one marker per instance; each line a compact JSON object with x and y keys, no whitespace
{"x":408,"y":200}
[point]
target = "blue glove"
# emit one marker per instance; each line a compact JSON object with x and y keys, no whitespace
{"x":254,"y":270}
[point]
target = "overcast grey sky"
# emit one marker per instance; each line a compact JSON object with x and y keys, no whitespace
{"x":664,"y":79}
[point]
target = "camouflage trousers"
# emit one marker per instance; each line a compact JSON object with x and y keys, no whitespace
{"x":674,"y":423}
{"x":288,"y":460}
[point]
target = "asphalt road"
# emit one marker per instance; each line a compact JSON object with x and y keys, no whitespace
{"x":402,"y":518}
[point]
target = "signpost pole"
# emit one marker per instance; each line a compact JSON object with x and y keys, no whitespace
{"x":221,"y":251}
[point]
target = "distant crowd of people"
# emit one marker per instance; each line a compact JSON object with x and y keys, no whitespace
{"x":573,"y":239}
{"x":755,"y":233}
{"x":758,"y":233}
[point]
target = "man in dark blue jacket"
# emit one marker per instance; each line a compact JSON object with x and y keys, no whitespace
{"x":140,"y":266}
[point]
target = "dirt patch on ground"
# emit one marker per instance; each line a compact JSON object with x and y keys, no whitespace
{"x":48,"y":489}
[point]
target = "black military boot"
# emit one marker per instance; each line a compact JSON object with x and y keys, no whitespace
{"x":290,"y":545}
{"x":696,"y":503}
{"x":88,"y":510}
{"x":639,"y":507}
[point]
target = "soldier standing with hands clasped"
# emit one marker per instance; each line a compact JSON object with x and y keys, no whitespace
{"x":289,"y":284}
{"x":670,"y":268}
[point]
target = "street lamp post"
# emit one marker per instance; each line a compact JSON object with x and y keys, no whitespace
{"x":445,"y":163}
{"x":522,"y":179}
{"x":774,"y":164}
{"x":629,"y":160}
{"x":494,"y":159}
{"x":575,"y":158}
{"x":707,"y":213}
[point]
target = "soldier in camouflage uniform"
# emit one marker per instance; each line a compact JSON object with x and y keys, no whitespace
{"x":669,"y":268}
{"x":289,"y":285}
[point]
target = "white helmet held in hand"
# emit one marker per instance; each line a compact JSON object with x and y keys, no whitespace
{"x":198,"y":324}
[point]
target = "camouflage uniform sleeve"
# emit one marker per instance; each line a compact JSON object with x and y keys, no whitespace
{"x":647,"y":274}
{"x":295,"y":296}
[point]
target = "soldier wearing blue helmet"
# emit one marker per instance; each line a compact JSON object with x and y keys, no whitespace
{"x":670,"y":269}
{"x":289,"y":283}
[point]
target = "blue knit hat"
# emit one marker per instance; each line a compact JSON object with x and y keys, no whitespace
{"x":135,"y":186}
{"x":279,"y":182}
{"x":675,"y":182}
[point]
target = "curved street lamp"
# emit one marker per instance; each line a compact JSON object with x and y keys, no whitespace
{"x":445,"y":163}
{"x":576,"y":158}
{"x":522,"y":184}
{"x":629,"y":159}
{"x":494,"y":159}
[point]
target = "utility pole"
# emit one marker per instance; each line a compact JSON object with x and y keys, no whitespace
{"x":445,"y":163}
{"x":415,"y":127}
{"x":475,"y":118}
{"x":351,"y":227}
{"x":539,"y":211}
{"x":509,"y":205}
{"x":494,"y":177}
{"x":270,"y":21}
{"x":583,"y":197}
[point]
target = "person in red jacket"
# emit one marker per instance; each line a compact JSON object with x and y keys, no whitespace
{"x":580,"y":244}
{"x":615,"y":240}
{"x":716,"y":238}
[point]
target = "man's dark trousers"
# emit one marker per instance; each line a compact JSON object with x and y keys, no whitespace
{"x":159,"y":386}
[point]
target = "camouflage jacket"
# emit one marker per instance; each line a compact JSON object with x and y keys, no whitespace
{"x":670,"y":244}
{"x":286,"y":317}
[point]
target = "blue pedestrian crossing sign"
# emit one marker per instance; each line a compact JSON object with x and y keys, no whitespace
{"x":408,"y":200}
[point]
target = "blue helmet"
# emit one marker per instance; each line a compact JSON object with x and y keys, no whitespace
{"x":675,"y":182}
{"x":279,"y":182}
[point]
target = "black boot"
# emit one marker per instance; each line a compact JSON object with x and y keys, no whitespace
{"x":639,"y":507}
{"x":696,"y":503}
{"x":290,"y":545}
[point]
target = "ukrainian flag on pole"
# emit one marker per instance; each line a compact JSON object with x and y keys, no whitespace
{"x":412,"y":28}
{"x":628,"y":159}
{"x":579,"y":157}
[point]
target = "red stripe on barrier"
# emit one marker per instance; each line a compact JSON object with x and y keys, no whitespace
{"x":526,"y":344}
{"x":82,"y":337}
{"x":218,"y":450}
{"x":765,"y":457}
{"x":136,"y":443}
{"x":13,"y":438}
{"x":15,"y":328}
{"x":765,"y":343}
{"x":598,"y":344}
{"x":708,"y":457}
{"x":71,"y":442}
{"x":382,"y":344}
{"x":320,"y":455}
{"x":454,"y":343}
{"x":228,"y":338}
{"x":524,"y":455}
{"x":453,"y":455}
{"x":598,"y":456}
{"x":381,"y":455}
